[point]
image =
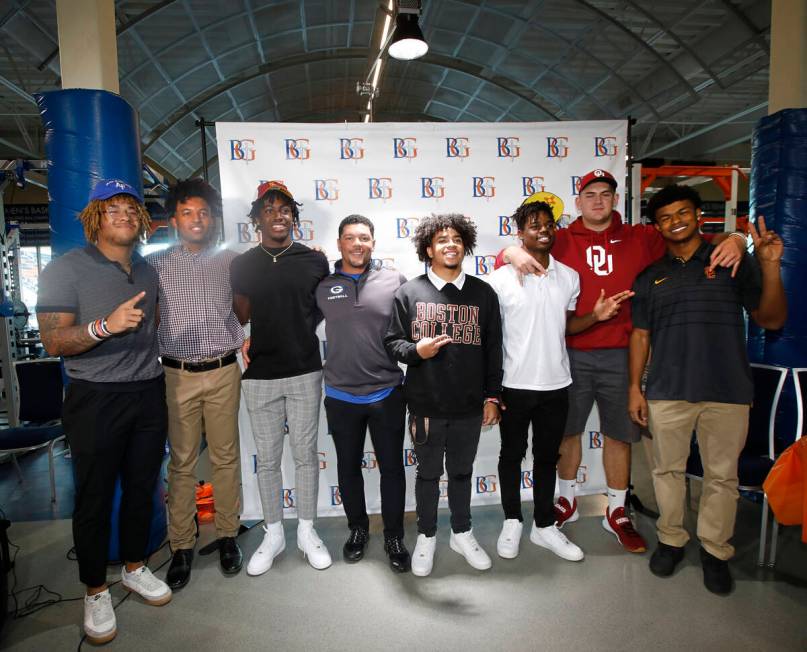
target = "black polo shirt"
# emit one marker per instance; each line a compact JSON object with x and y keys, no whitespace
{"x":697,"y":327}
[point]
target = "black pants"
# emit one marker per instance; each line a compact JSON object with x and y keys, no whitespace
{"x":546,"y":411}
{"x":457,"y":441}
{"x":348,"y":423}
{"x":113,"y":429}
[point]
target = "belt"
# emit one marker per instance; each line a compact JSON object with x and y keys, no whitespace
{"x":197,"y":367}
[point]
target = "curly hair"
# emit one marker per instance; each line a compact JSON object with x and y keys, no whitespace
{"x":93,"y":213}
{"x":525,"y":211}
{"x":186,"y":189}
{"x":669,"y":195}
{"x":270,"y":196}
{"x":428,"y":227}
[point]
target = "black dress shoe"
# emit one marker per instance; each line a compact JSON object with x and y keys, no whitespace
{"x":665,"y":559}
{"x":399,"y":559}
{"x":354,"y":547}
{"x":230,"y":556}
{"x":179,"y":572}
{"x":716,"y":574}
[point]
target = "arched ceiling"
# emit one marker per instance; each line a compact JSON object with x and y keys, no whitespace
{"x":693,"y":73}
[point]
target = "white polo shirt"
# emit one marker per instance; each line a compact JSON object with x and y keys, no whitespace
{"x":534,"y":325}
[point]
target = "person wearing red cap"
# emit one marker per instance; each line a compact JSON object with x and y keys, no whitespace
{"x":608,"y":255}
{"x":274,"y":286}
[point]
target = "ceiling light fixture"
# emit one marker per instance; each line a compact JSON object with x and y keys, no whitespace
{"x":407,"y":39}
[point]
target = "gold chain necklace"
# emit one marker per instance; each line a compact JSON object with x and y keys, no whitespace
{"x":275,"y":256}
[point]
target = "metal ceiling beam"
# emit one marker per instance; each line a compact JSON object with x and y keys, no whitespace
{"x":706,"y":130}
{"x":16,"y":147}
{"x":10,"y":85}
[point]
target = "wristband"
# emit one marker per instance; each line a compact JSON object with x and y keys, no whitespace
{"x":742,"y":236}
{"x":495,"y":401}
{"x":104,"y":328}
{"x":91,"y":331}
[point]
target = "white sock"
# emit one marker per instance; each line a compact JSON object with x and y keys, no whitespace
{"x":304,"y":524}
{"x":616,"y":499}
{"x":566,"y":489}
{"x":275,"y":529}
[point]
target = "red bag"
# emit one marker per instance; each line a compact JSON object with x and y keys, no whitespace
{"x":204,"y":502}
{"x":786,"y":487}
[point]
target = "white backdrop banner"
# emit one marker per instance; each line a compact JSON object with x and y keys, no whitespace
{"x":395,"y":174}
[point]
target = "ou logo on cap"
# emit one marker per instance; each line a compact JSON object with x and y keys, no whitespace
{"x":599,"y":173}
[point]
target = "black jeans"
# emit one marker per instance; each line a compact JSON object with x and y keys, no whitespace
{"x":546,"y":411}
{"x":348,"y":423}
{"x":113,"y":429}
{"x":457,"y":440}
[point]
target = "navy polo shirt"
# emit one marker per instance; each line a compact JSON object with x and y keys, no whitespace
{"x":697,"y":327}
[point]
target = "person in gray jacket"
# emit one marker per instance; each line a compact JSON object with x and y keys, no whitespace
{"x":363,"y":387}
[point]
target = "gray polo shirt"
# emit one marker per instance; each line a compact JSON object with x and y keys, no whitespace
{"x":87,"y":284}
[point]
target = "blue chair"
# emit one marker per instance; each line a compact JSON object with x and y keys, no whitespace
{"x":41,"y":393}
{"x":759,"y":453}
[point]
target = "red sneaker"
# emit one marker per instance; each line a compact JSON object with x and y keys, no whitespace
{"x":564,"y":512}
{"x":619,"y":524}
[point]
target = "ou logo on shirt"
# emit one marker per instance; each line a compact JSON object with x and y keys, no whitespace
{"x":599,"y":261}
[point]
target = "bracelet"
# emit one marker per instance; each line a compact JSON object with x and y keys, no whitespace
{"x":740,"y":235}
{"x":495,"y":401}
{"x":104,"y":328}
{"x":91,"y":331}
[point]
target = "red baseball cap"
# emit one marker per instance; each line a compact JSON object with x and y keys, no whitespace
{"x":598,"y":175}
{"x":278,"y":186}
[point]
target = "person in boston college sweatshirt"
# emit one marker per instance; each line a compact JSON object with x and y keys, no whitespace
{"x":446,"y":327}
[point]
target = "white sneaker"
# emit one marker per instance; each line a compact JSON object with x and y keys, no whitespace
{"x":510,"y":538}
{"x":313,"y":548}
{"x":553,"y":539}
{"x":99,"y":618}
{"x":274,"y":542}
{"x":154,"y":591}
{"x":466,"y":544}
{"x":423,"y":555}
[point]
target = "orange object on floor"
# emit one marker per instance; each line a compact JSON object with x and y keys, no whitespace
{"x":786,"y":487}
{"x":205,"y":508}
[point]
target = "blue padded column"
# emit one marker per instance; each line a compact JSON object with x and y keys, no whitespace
{"x":89,"y":135}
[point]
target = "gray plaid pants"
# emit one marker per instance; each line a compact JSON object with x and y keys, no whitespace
{"x":272,"y":404}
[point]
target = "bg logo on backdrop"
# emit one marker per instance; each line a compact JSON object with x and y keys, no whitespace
{"x":484,"y":187}
{"x":484,"y":265}
{"x":576,"y":185}
{"x":443,"y":485}
{"x":336,"y":497}
{"x":594,"y":439}
{"x":508,"y":147}
{"x":351,"y":148}
{"x":369,"y":461}
{"x":323,"y":460}
{"x":288,"y":498}
{"x":405,"y":227}
{"x":326,"y":189}
{"x":582,"y":474}
{"x":557,"y":147}
{"x":298,"y":149}
{"x":486,"y":484}
{"x":409,"y":457}
{"x":380,"y":187}
{"x":507,"y":225}
{"x":526,"y":480}
{"x":382,"y":263}
{"x":242,"y":150}
{"x":404,"y":148}
{"x":605,"y":146}
{"x":246,"y":234}
{"x":432,"y":187}
{"x":531,"y":185}
{"x":458,"y":147}
{"x":304,"y":232}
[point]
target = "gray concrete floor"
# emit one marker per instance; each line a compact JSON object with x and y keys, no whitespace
{"x":610,"y":601}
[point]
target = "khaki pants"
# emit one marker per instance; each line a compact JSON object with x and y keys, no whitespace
{"x":721,"y":430}
{"x":209,"y":398}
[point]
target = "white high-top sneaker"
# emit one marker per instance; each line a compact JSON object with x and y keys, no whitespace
{"x":510,"y":538}
{"x":274,"y":542}
{"x":311,"y":545}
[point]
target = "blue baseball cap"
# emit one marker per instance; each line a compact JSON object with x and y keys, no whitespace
{"x":107,"y":188}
